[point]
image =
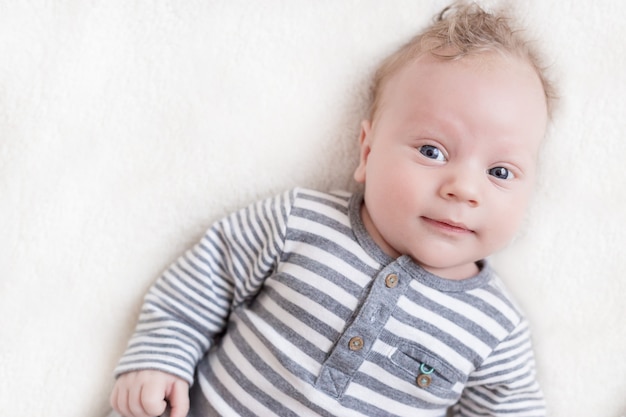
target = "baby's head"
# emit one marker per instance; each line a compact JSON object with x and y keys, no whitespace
{"x":449,"y":153}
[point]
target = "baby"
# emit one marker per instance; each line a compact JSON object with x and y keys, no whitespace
{"x":381,"y":302}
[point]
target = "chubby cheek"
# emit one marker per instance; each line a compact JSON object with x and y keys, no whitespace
{"x":394,"y":200}
{"x":387,"y":174}
{"x":386,"y":188}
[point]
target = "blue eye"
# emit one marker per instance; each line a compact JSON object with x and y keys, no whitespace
{"x":432,"y":152}
{"x":501,"y":173}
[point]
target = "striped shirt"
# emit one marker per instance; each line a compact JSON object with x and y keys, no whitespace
{"x":289,"y":308}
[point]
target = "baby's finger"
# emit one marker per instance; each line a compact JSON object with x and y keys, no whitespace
{"x":134,"y":403}
{"x":119,"y":401}
{"x":113,"y":398}
{"x":179,"y":399}
{"x":153,"y":399}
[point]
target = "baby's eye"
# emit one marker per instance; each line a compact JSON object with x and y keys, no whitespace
{"x":432,"y":152}
{"x":501,"y":173}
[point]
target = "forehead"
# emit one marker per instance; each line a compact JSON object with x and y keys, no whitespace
{"x":487,"y":90}
{"x":491,"y":69}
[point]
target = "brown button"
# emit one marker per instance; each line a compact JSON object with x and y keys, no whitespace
{"x":356,"y":343}
{"x":423,"y":380}
{"x":391,"y":281}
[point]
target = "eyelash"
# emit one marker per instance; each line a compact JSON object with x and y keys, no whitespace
{"x":434,"y":153}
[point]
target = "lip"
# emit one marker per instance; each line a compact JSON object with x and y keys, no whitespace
{"x":448,"y":225}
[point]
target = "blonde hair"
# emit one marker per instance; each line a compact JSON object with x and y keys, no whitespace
{"x":460,"y":30}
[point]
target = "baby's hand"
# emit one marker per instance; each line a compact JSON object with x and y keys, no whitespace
{"x":146,"y":394}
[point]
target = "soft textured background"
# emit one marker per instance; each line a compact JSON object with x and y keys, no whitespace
{"x":127,"y":127}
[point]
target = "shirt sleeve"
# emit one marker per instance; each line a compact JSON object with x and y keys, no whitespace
{"x":189,"y":304}
{"x":505,"y":384}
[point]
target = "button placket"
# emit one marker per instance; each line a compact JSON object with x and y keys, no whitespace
{"x":359,"y":336}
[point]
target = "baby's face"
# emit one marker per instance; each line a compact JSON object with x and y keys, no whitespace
{"x":449,"y":161}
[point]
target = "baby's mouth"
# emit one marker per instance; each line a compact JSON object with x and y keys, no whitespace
{"x":448,"y":225}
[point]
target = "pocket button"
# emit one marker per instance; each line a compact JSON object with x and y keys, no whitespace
{"x":423,"y":380}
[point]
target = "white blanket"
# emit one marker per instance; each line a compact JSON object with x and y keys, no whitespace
{"x":127,"y":127}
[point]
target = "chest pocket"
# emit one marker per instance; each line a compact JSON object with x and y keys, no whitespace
{"x":426,"y":370}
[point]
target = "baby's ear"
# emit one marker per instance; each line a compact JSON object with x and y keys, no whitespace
{"x":364,"y":143}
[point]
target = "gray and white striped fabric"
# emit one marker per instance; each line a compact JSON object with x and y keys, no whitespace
{"x":288,"y":308}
